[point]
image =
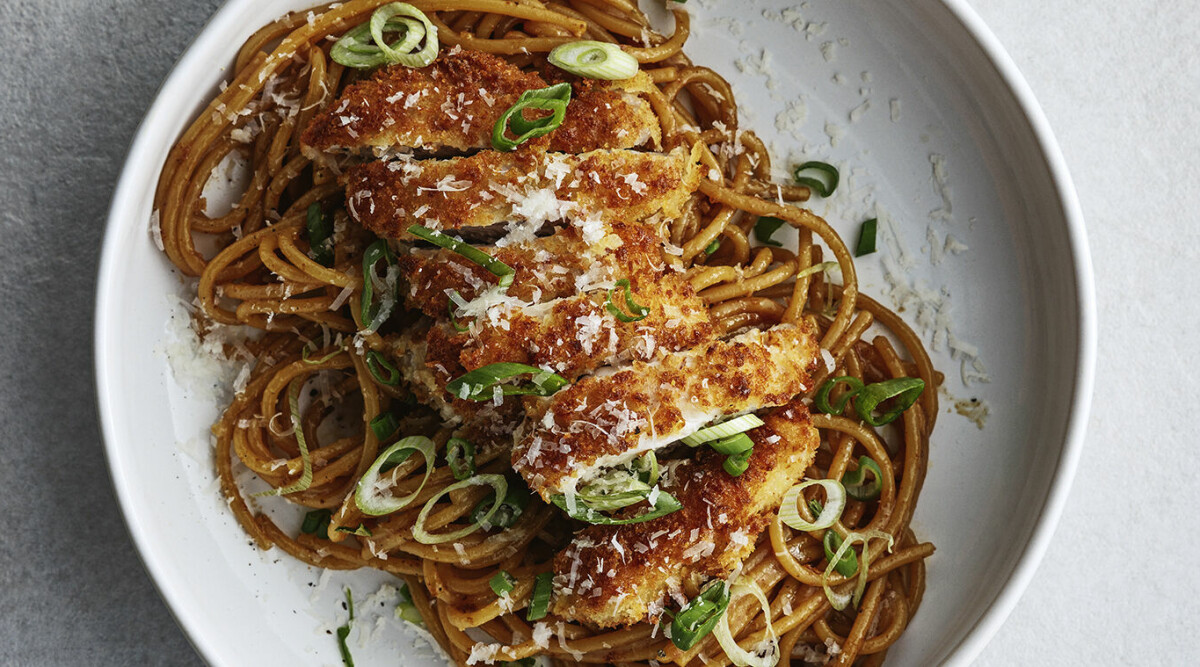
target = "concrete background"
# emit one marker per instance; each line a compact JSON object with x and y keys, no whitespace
{"x":1119,"y":81}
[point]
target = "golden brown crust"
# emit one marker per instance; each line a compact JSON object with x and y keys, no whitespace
{"x":620,"y":575}
{"x":454,"y":103}
{"x":546,"y":267}
{"x":529,"y":186}
{"x":650,"y":405}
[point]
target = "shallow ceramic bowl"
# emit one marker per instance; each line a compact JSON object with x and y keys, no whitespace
{"x":938,"y":89}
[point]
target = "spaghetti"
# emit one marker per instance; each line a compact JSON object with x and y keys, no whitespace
{"x":318,"y":362}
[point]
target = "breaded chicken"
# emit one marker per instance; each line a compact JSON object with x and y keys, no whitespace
{"x":576,"y":335}
{"x":526,"y":189}
{"x":547,"y":267}
{"x":452,"y":105}
{"x":608,"y":419}
{"x":619,"y":575}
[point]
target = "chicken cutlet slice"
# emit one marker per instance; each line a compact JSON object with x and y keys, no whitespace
{"x":608,"y":419}
{"x":619,"y":575}
{"x":525,"y":189}
{"x":547,"y":267}
{"x":576,"y":335}
{"x":452,"y":105}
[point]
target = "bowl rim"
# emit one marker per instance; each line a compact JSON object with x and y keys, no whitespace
{"x":223,"y":21}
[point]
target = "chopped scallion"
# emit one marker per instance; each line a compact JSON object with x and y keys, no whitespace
{"x":848,"y":565}
{"x":594,"y":60}
{"x":737,"y":464}
{"x":497,"y":268}
{"x":516,"y":498}
{"x":502,"y":583}
{"x":700,"y":615}
{"x":539,"y":603}
{"x":460,"y":457}
{"x":369,"y":492}
{"x":821,"y":400}
{"x":853,"y":481}
{"x":866,"y":238}
{"x":344,"y":631}
{"x":822,"y":177}
{"x":739,"y":424}
{"x":905,"y":390}
{"x":316,"y":523}
{"x":381,"y":369}
{"x":552,"y":98}
{"x":639,"y":311}
{"x":320,"y":235}
{"x":712,"y":247}
{"x":661,"y":504}
{"x":478,"y":384}
{"x":364,"y":46}
{"x":375,"y":314}
{"x":420,"y":534}
{"x":765,"y":228}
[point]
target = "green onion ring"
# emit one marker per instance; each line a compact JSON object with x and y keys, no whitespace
{"x":725,"y":429}
{"x":839,"y":601}
{"x":736,"y":654}
{"x":853,"y":481}
{"x":373,"y":316}
{"x":822,"y":186}
{"x":835,"y":503}
{"x":734,"y":444}
{"x":316,"y":523}
{"x":453,"y":318}
{"x":639,"y":311}
{"x":502,"y":583}
{"x":712,"y":247}
{"x":552,"y":98}
{"x":460,"y":458}
{"x":344,"y":631}
{"x":664,"y":503}
{"x":905,"y":390}
{"x":765,"y":228}
{"x":821,"y":400}
{"x":737,"y":464}
{"x":497,"y":268}
{"x":306,"y":474}
{"x":594,"y":60}
{"x":848,"y":565}
{"x":320,"y":235}
{"x":421,"y":535}
{"x":354,"y":49}
{"x":377,"y":364}
{"x":383,"y":425}
{"x":478,"y":384}
{"x":539,"y":602}
{"x":511,"y":508}
{"x":699,"y":615}
{"x":367,"y":493}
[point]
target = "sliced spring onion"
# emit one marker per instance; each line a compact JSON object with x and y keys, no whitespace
{"x":423,"y":536}
{"x":405,"y":609}
{"x":316,"y":523}
{"x":454,"y":318}
{"x":723,"y":430}
{"x":344,"y":631}
{"x":639,"y":311}
{"x":700,"y":615}
{"x":766,"y":654}
{"x":306,"y":473}
{"x":837,"y":600}
{"x":815,"y":507}
{"x":514,"y":503}
{"x":621,"y":486}
{"x":594,"y":60}
{"x":377,"y":364}
{"x":501,"y":583}
{"x":320,"y":235}
{"x":712,"y":247}
{"x":853,"y":481}
{"x":734,"y":444}
{"x":662,"y":504}
{"x":539,"y":602}
{"x":866,"y":238}
{"x":374,"y":315}
{"x":848,"y":565}
{"x":835,"y":503}
{"x":736,"y":464}
{"x":306,"y":356}
{"x":765,"y":228}
{"x":906,"y":391}
{"x":477,"y":384}
{"x":816,"y":268}
{"x":384,"y":425}
{"x":497,"y":268}
{"x":361,"y":531}
{"x":460,"y":457}
{"x":368,"y":494}
{"x":552,"y":98}
{"x":821,"y":400}
{"x":354,"y":49}
{"x":822,"y":177}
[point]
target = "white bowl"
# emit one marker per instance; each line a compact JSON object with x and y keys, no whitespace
{"x":1022,"y":294}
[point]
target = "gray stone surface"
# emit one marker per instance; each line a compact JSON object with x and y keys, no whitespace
{"x":76,"y":76}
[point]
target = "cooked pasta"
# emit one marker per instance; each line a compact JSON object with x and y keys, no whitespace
{"x":342,"y":373}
